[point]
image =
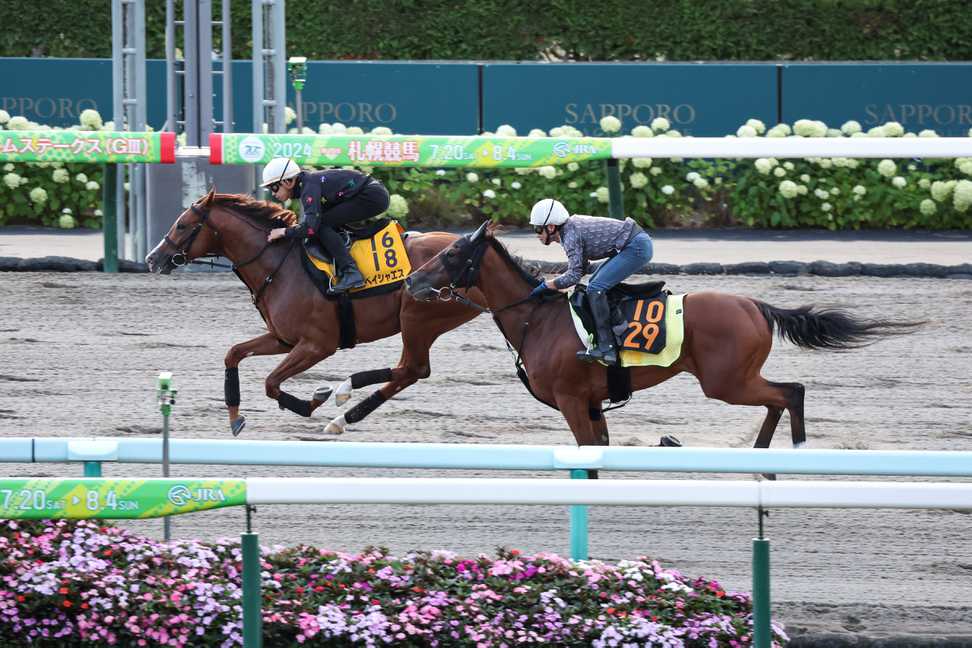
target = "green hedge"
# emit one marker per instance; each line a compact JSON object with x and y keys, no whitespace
{"x":673,"y":30}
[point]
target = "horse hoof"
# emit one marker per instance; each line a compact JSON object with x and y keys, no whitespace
{"x":669,"y":441}
{"x":343,"y":393}
{"x":237,"y":425}
{"x":336,"y":426}
{"x":769,"y":476}
{"x":322,"y":394}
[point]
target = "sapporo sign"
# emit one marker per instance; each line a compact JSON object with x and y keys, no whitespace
{"x":24,"y":499}
{"x":406,"y":150}
{"x":85,"y":146}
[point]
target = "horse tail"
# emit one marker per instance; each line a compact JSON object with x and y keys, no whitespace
{"x":812,"y":327}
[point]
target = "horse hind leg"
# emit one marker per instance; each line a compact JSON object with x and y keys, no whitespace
{"x":358,"y":380}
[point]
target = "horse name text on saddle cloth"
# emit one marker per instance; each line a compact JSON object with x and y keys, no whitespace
{"x":382,"y":259}
{"x":653,"y":332}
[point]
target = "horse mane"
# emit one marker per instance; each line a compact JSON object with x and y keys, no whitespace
{"x":261,"y":212}
{"x":529,"y":273}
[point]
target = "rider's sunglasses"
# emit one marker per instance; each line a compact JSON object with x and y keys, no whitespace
{"x":273,"y":187}
{"x":539,"y":228}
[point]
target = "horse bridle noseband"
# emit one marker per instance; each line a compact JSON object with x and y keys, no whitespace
{"x":182,"y":252}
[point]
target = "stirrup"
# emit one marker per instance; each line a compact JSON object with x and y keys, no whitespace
{"x":607,"y":356}
{"x":350,"y":279}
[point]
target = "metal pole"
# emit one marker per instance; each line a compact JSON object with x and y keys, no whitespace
{"x":578,"y":524}
{"x":204,"y":65}
{"x":762,"y":631}
{"x":170,"y":73}
{"x":92,"y":469}
{"x":278,"y":36}
{"x":257,"y":66}
{"x":109,"y":226}
{"x":252,"y":617}
{"x":225,"y":16}
{"x":615,"y":202}
{"x":167,"y":395}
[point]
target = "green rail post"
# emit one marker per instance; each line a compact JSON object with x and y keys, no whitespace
{"x":167,"y":397}
{"x":615,"y":201}
{"x":578,"y":524}
{"x":762,"y":631}
{"x":109,"y":222}
{"x":92,"y":469}
{"x":252,"y":616}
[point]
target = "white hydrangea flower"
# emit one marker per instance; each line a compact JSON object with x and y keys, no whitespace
{"x":924,"y":183}
{"x":18,"y":123}
{"x":779,"y":172}
{"x":397,"y":206}
{"x":98,"y":213}
{"x":4,"y":116}
{"x":638,"y":180}
{"x":746,"y":131}
{"x":825,"y":207}
{"x":701,"y":183}
{"x":691,"y":176}
{"x":8,"y":166}
{"x":496,"y":181}
{"x":570,"y":185}
{"x":668,"y":190}
{"x":354,"y":130}
{"x":82,"y":178}
{"x":660,"y":124}
{"x":940,"y":190}
{"x":928,"y":207}
{"x":23,"y":180}
{"x":472,"y":177}
{"x":610,"y":124}
{"x":66,"y":221}
{"x":673,"y":133}
{"x":834,"y":191}
{"x":718,"y":181}
{"x":859,"y":134}
{"x":289,"y":114}
{"x":825,"y":163}
{"x":887,"y":168}
{"x":489,"y":193}
{"x":641,"y":163}
{"x":780,"y":130}
{"x":381,"y":130}
{"x":927,"y":133}
{"x":859,"y":190}
{"x":547,"y":172}
{"x":505,"y":130}
{"x":324,"y":129}
{"x":821,"y":194}
{"x":802,"y":190}
{"x":12,"y":180}
{"x":962,"y":199}
{"x":573,"y":167}
{"x":307,"y":130}
{"x":965,"y":167}
{"x":834,"y":132}
{"x":603,"y":195}
{"x":877,"y":131}
{"x":38,"y":195}
{"x":91,"y":119}
{"x":337,"y":128}
{"x":764,"y":166}
{"x":440,"y":172}
{"x":756,"y":125}
{"x":642,"y":131}
{"x":536,"y":132}
{"x":789,"y":166}
{"x":515,"y":185}
{"x":804,"y":177}
{"x":809,"y":128}
{"x":788,"y":189}
{"x":557,"y":131}
{"x":850,"y":127}
{"x":899,"y":182}
{"x":893,"y":129}
{"x":655,"y":171}
{"x":91,"y":185}
{"x":60,"y":176}
{"x":523,"y":170}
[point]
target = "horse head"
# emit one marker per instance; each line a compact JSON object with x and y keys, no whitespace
{"x":457,"y":266}
{"x":192,"y":235}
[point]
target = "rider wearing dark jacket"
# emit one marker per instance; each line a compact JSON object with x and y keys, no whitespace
{"x":328,"y":199}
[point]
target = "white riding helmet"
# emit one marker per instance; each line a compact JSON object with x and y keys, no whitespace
{"x":548,"y":212}
{"x":278,"y":169}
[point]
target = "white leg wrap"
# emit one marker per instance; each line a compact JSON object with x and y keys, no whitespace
{"x":337,"y":426}
{"x":799,"y":444}
{"x":343,"y":393}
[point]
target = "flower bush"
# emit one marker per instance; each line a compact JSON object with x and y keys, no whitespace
{"x":78,"y":583}
{"x":833,"y":193}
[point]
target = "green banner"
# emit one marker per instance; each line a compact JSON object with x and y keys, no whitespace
{"x":22,"y":499}
{"x":86,"y":146}
{"x":406,"y":150}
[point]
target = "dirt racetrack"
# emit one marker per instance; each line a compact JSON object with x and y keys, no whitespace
{"x":79,"y":354}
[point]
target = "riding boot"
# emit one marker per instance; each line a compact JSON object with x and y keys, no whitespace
{"x":604,"y":352}
{"x":346,"y":273}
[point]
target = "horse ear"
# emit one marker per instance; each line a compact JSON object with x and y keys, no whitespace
{"x":211,"y":196}
{"x":478,"y":233}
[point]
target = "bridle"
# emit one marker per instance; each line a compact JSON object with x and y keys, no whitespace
{"x":181,"y":257}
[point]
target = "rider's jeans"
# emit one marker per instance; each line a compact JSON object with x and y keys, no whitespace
{"x":632,"y":258}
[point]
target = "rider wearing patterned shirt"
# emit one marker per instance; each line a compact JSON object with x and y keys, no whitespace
{"x":328,"y":199}
{"x":589,"y":238}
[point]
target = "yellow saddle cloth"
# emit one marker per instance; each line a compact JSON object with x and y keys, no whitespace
{"x":381,"y":259}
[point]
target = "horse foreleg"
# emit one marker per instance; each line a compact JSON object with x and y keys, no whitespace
{"x":266,"y":344}
{"x":301,"y":358}
{"x":578,"y":415}
{"x":358,"y":380}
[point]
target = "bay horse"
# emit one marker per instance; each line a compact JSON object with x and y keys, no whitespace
{"x":301,"y":322}
{"x":727,"y":339}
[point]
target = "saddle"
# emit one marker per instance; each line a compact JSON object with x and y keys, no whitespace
{"x":620,"y":297}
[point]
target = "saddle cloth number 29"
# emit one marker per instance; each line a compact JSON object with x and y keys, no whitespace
{"x":646,"y":326}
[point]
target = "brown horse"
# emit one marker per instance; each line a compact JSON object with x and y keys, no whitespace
{"x":727,"y":339}
{"x":300,"y":321}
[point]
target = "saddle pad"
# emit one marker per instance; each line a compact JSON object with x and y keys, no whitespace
{"x":673,"y":321}
{"x":381,"y":259}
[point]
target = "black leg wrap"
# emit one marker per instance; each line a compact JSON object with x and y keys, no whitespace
{"x":594,"y":414}
{"x":231,"y":386}
{"x":364,"y":408}
{"x":365,"y":378}
{"x":294,"y":404}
